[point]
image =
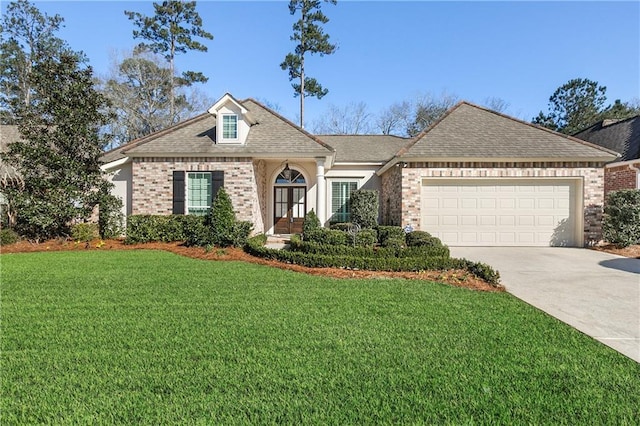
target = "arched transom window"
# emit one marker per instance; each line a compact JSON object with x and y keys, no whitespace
{"x":290,"y":176}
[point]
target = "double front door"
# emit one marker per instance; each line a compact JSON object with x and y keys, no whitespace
{"x":289,"y":209}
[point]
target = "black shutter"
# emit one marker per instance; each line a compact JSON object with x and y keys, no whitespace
{"x":178,"y":192}
{"x":217,"y":182}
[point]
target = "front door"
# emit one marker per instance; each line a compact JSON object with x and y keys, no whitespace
{"x":289,"y":209}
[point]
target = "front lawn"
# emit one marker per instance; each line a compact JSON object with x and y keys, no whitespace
{"x":147,"y":337}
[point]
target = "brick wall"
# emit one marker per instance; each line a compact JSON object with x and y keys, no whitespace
{"x":411,"y":186}
{"x":391,"y":198}
{"x":152,"y":189}
{"x":621,"y":177}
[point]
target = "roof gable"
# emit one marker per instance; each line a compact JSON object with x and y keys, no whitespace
{"x":270,"y":136}
{"x":468,"y":132}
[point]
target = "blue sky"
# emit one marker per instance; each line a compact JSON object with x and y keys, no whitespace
{"x":392,"y":51}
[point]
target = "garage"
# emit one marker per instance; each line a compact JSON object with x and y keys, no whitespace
{"x":502,"y":212}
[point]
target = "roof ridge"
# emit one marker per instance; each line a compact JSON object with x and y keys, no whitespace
{"x":290,"y":123}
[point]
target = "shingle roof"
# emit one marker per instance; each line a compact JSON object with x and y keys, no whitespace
{"x":273,"y":135}
{"x":622,"y":136}
{"x":364,"y":148}
{"x":8,"y":135}
{"x":468,"y":131}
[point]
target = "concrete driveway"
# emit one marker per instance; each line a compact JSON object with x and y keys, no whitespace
{"x":594,"y":292}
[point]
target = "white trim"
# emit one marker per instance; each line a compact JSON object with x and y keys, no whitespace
{"x":115,"y":164}
{"x":232,"y":140}
{"x":329,"y":185}
{"x":623,"y":163}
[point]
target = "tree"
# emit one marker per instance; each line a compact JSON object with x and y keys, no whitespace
{"x":59,"y":153}
{"x":352,"y":119}
{"x":496,"y":104}
{"x":574,"y":106}
{"x":26,"y":37}
{"x":396,"y":119}
{"x":139,"y":89}
{"x":428,"y":110}
{"x":621,"y":110}
{"x":171,"y":31}
{"x":310,"y":39}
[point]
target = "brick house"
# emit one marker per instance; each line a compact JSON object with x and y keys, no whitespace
{"x":475,"y":177}
{"x":623,"y":137}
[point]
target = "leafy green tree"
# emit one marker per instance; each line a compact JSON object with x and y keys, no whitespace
{"x":221,"y":219}
{"x":310,"y":39}
{"x":170,"y":31}
{"x":621,"y":110}
{"x":573,"y":106}
{"x":26,"y":37}
{"x":139,"y":89}
{"x":59,"y":153}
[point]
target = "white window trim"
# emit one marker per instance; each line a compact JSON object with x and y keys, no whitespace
{"x":330,"y":182}
{"x":186,"y":190}
{"x":229,"y":140}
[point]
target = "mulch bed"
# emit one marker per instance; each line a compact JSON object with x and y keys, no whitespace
{"x":631,"y":251}
{"x":455,"y":278}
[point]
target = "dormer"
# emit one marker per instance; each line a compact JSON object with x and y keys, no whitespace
{"x":232,"y":121}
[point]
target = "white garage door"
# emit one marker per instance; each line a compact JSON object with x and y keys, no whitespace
{"x":513,"y":212}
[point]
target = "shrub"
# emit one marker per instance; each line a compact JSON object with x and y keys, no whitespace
{"x":221,"y":220}
{"x":364,"y":207}
{"x":110,"y":217}
{"x":327,"y":236}
{"x":148,"y":228}
{"x":621,"y":224}
{"x":84,"y":232}
{"x":241,"y":231}
{"x":342,"y":226}
{"x":8,"y":236}
{"x":310,"y":223}
{"x":385,"y":233}
{"x":421,"y":238}
{"x":365,"y":237}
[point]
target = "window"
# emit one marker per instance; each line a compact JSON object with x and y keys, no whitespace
{"x":230,"y":127}
{"x":199,"y":193}
{"x":340,"y":204}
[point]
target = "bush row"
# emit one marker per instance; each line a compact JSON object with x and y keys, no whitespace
{"x":314,"y":247}
{"x":255,"y":246}
{"x":150,"y":228}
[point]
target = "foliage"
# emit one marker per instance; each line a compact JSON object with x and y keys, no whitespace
{"x":310,"y":39}
{"x":240,"y":233}
{"x":232,"y":342}
{"x":410,"y":117}
{"x":27,"y":36}
{"x":364,"y":207}
{"x":421,"y":238}
{"x":139,"y":89}
{"x":165,"y":228}
{"x":366,"y":237}
{"x":221,"y":220}
{"x":8,"y":236}
{"x":428,"y":110}
{"x":59,"y":153}
{"x":84,"y":232}
{"x":621,"y":224}
{"x":172,"y":30}
{"x":110,"y":217}
{"x":580,"y":103}
{"x":367,"y":250}
{"x":326,"y":236}
{"x":310,"y":223}
{"x":394,"y":233}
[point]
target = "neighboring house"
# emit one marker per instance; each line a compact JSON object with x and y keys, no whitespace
{"x":475,"y":177}
{"x":622,"y":136}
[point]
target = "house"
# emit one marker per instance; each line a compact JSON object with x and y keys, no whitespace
{"x":475,"y":177}
{"x":622,"y":136}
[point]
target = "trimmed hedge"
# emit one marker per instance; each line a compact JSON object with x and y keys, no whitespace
{"x":165,"y":228}
{"x":8,"y":236}
{"x":255,"y":246}
{"x":367,"y":251}
{"x":364,"y":207}
{"x":394,"y":233}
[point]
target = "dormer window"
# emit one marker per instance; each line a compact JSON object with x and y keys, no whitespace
{"x":230,"y":126}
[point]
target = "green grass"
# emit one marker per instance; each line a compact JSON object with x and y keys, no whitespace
{"x":153,"y":338}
